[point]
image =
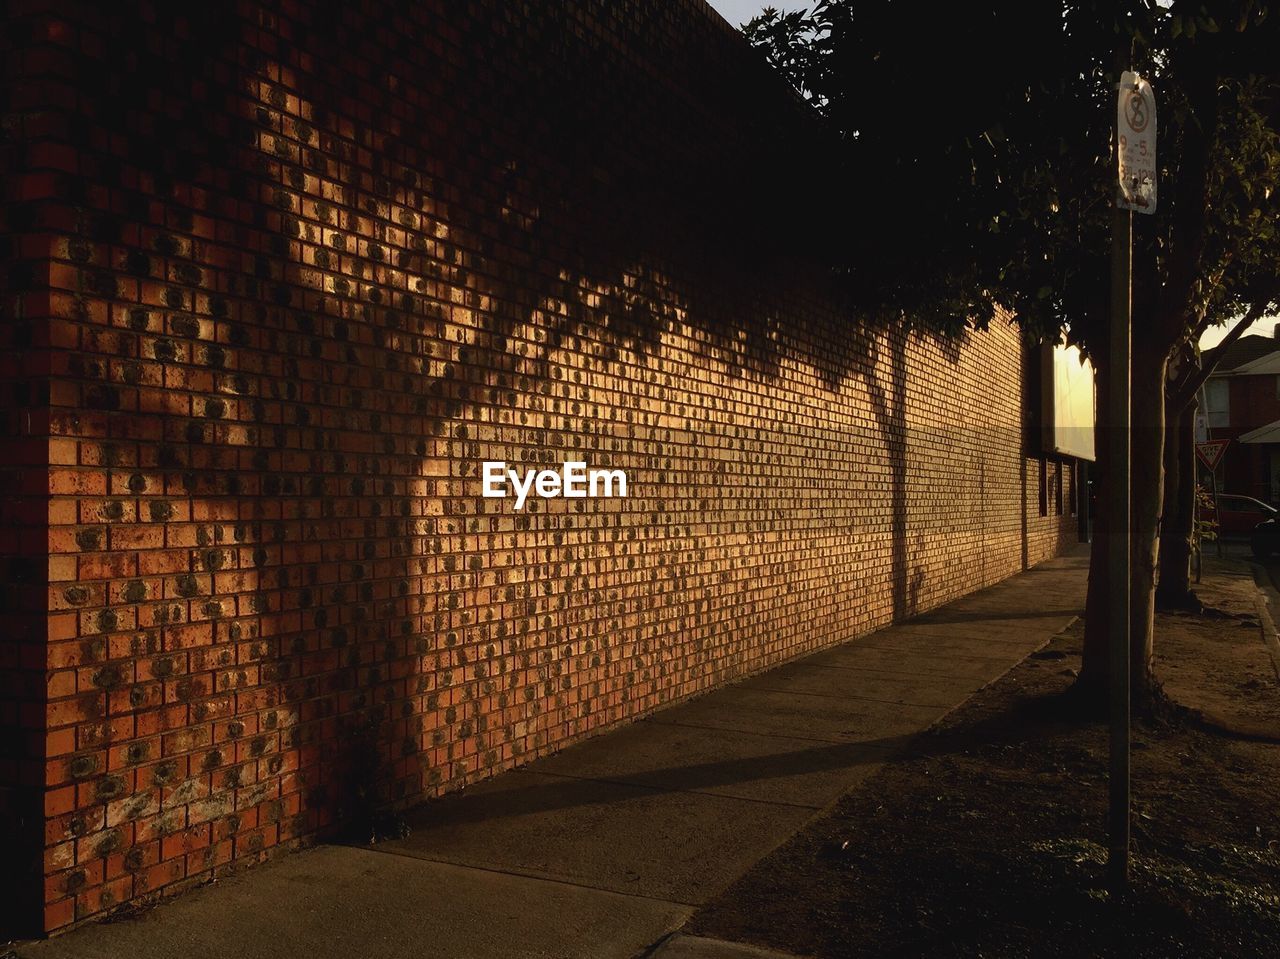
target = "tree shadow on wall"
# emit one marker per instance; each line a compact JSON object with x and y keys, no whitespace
{"x":397,"y":280}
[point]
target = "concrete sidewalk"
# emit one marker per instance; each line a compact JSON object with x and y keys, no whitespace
{"x":603,"y":849}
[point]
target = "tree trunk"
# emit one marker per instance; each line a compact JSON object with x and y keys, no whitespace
{"x":1146,"y":478}
{"x":1177,"y":519}
{"x":1178,"y":514}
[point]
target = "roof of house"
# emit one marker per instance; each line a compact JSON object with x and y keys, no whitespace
{"x":1246,"y":350}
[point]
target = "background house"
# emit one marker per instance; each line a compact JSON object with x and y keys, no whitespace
{"x":1241,"y":403}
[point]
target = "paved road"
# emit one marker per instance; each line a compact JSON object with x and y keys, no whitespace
{"x":602,"y":850}
{"x":1270,"y":566}
{"x":1239,"y":549}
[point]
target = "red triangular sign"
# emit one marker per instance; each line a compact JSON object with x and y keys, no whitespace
{"x":1210,"y":453}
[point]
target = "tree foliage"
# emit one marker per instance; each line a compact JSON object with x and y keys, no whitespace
{"x":977,"y":157}
{"x":976,"y":174}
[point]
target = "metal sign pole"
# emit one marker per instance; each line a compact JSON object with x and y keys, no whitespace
{"x":1217,"y":510}
{"x":1118,"y":533}
{"x":1209,"y":454}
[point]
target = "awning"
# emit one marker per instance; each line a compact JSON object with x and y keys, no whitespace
{"x":1267,"y":364}
{"x":1263,"y":434}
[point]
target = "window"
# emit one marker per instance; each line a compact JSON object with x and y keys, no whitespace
{"x":1217,"y":402}
{"x":1044,"y":487}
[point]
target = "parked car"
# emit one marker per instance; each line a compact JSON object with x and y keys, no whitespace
{"x":1238,"y":516}
{"x":1265,"y":540}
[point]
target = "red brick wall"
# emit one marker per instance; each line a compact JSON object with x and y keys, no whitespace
{"x":305,"y":275}
{"x":1254,"y":401}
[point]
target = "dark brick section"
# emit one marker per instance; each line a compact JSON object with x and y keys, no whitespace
{"x":285,"y":278}
{"x":25,"y":509}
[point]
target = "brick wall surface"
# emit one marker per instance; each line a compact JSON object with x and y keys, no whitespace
{"x":1247,"y":469}
{"x":282,"y":280}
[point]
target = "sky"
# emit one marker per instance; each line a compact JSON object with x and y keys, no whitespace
{"x":1213,"y":336}
{"x":738,"y":12}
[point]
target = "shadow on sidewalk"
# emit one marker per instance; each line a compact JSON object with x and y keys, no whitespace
{"x":508,"y":797}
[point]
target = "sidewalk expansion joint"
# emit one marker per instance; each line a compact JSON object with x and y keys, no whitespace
{"x":918,"y":674}
{"x":659,"y":721}
{"x":529,"y":874}
{"x":940,"y":632}
{"x":688,"y":792}
{"x":861,"y":699}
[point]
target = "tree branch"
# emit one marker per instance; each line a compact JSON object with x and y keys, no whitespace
{"x":1185,"y":392}
{"x":1204,"y":317}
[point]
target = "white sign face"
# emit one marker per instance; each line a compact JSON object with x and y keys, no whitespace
{"x":1136,"y":149}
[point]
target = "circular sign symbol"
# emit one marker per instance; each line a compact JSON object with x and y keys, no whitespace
{"x":1136,"y":113}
